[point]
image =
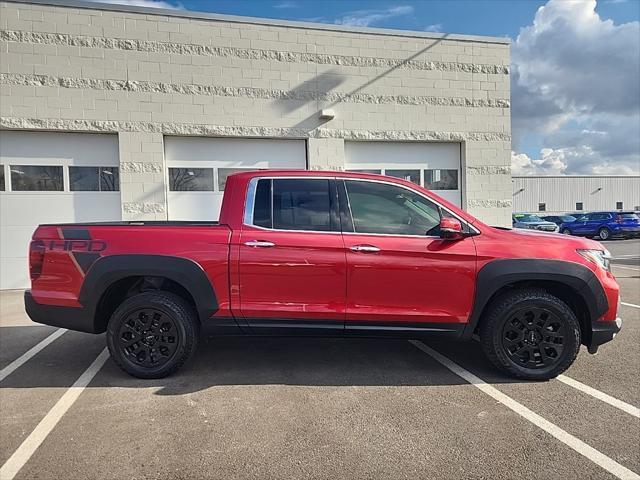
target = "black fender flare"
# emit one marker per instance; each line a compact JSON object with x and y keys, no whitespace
{"x":500,"y":273}
{"x":107,"y":270}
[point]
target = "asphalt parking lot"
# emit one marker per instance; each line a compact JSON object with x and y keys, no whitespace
{"x":317,"y":408}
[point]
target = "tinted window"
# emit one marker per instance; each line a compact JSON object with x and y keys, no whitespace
{"x":578,"y":205}
{"x":191,"y":179}
{"x":630,"y":216}
{"x":409,"y":175}
{"x":567,"y":218}
{"x":542,"y":207}
{"x":262,"y":205}
{"x":619,"y":205}
{"x":1,"y":178}
{"x":441,"y":179}
{"x":389,"y":209}
{"x":109,"y":179}
{"x":36,"y":178}
{"x":301,"y":204}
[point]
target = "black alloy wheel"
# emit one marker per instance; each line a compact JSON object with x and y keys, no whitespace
{"x":148,"y":337}
{"x":152,"y":334}
{"x":533,"y":338}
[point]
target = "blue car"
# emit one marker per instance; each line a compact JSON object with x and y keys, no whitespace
{"x":604,"y":225}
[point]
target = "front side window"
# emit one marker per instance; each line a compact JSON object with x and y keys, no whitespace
{"x":389,"y":209}
{"x":191,"y":179}
{"x":293,"y":204}
{"x":25,"y":178}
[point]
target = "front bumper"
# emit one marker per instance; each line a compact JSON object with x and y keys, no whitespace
{"x":72,"y":318}
{"x":603,"y":332}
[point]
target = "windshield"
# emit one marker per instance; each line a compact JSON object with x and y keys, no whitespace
{"x":567,"y":218}
{"x":527,"y":218}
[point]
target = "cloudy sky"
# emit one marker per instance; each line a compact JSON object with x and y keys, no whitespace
{"x":575,"y":76}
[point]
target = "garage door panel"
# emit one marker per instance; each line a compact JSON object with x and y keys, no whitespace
{"x":432,"y":165}
{"x":22,"y":211}
{"x":203,"y":164}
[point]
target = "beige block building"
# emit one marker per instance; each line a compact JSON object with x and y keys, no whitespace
{"x":110,"y":112}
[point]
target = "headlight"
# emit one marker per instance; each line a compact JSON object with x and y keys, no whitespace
{"x":602,"y":258}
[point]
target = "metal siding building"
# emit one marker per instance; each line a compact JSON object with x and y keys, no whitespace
{"x":564,"y":193}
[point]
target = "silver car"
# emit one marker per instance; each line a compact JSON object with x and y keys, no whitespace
{"x":533,"y":222}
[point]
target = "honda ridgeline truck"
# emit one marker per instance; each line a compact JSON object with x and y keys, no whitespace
{"x":325,"y":253}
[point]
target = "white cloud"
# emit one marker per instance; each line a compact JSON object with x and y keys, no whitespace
{"x":575,"y":83}
{"x":143,"y":3}
{"x":365,"y":18}
{"x":436,"y":27}
{"x":558,"y":162}
{"x":286,"y":5}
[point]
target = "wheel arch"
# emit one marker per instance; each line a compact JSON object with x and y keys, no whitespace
{"x":114,"y":276}
{"x":573,"y":283}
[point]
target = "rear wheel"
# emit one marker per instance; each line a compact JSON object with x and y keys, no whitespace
{"x":530,"y":334}
{"x":604,"y":233}
{"x":152,"y":334}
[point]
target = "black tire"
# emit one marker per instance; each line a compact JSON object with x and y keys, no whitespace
{"x":520,"y":334}
{"x":566,"y":231}
{"x":604,"y":234}
{"x":152,"y":334}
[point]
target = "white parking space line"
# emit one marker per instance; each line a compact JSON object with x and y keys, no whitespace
{"x":630,"y":305}
{"x":25,"y":357}
{"x":576,"y":444}
{"x":614,"y":402}
{"x":624,"y":267}
{"x":22,"y":455}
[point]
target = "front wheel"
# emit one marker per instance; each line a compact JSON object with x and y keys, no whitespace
{"x":566,"y":231}
{"x":530,"y":334}
{"x":152,"y":334}
{"x":604,"y":234}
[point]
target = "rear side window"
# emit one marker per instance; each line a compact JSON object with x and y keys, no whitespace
{"x":293,"y":204}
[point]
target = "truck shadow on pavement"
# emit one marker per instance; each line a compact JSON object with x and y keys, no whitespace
{"x":227,"y":361}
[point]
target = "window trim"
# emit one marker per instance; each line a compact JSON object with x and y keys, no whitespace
{"x":250,"y":205}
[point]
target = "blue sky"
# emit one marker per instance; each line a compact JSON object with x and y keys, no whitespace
{"x":575,"y":66}
{"x":492,"y":17}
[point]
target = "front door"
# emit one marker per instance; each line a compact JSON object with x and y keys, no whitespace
{"x":400,"y":273}
{"x":292,"y":265}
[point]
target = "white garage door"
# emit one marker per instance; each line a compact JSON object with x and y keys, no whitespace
{"x":198,"y":169}
{"x":435,"y":166}
{"x":52,"y":178}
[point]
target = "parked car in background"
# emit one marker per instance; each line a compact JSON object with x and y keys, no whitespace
{"x":533,"y":222}
{"x":559,"y":219}
{"x":604,"y":225}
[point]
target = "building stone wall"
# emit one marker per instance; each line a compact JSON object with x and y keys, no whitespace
{"x":68,"y":66}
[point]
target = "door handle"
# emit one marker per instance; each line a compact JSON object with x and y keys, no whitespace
{"x":365,"y":248}
{"x":259,"y":243}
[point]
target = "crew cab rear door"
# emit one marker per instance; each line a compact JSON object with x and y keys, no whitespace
{"x":292,"y":265}
{"x":400,"y":273}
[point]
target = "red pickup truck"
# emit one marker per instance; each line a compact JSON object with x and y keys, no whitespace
{"x":325,"y":253}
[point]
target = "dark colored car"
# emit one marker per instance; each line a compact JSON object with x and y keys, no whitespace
{"x":604,"y":225}
{"x":325,"y":253}
{"x":559,"y":219}
{"x":532,"y":222}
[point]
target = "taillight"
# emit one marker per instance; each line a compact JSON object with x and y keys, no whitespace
{"x":36,"y":258}
{"x":618,"y":218}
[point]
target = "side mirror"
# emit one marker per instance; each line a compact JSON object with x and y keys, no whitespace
{"x":451,"y":229}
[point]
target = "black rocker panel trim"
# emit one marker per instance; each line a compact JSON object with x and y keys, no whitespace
{"x":500,"y":273}
{"x":107,"y":270}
